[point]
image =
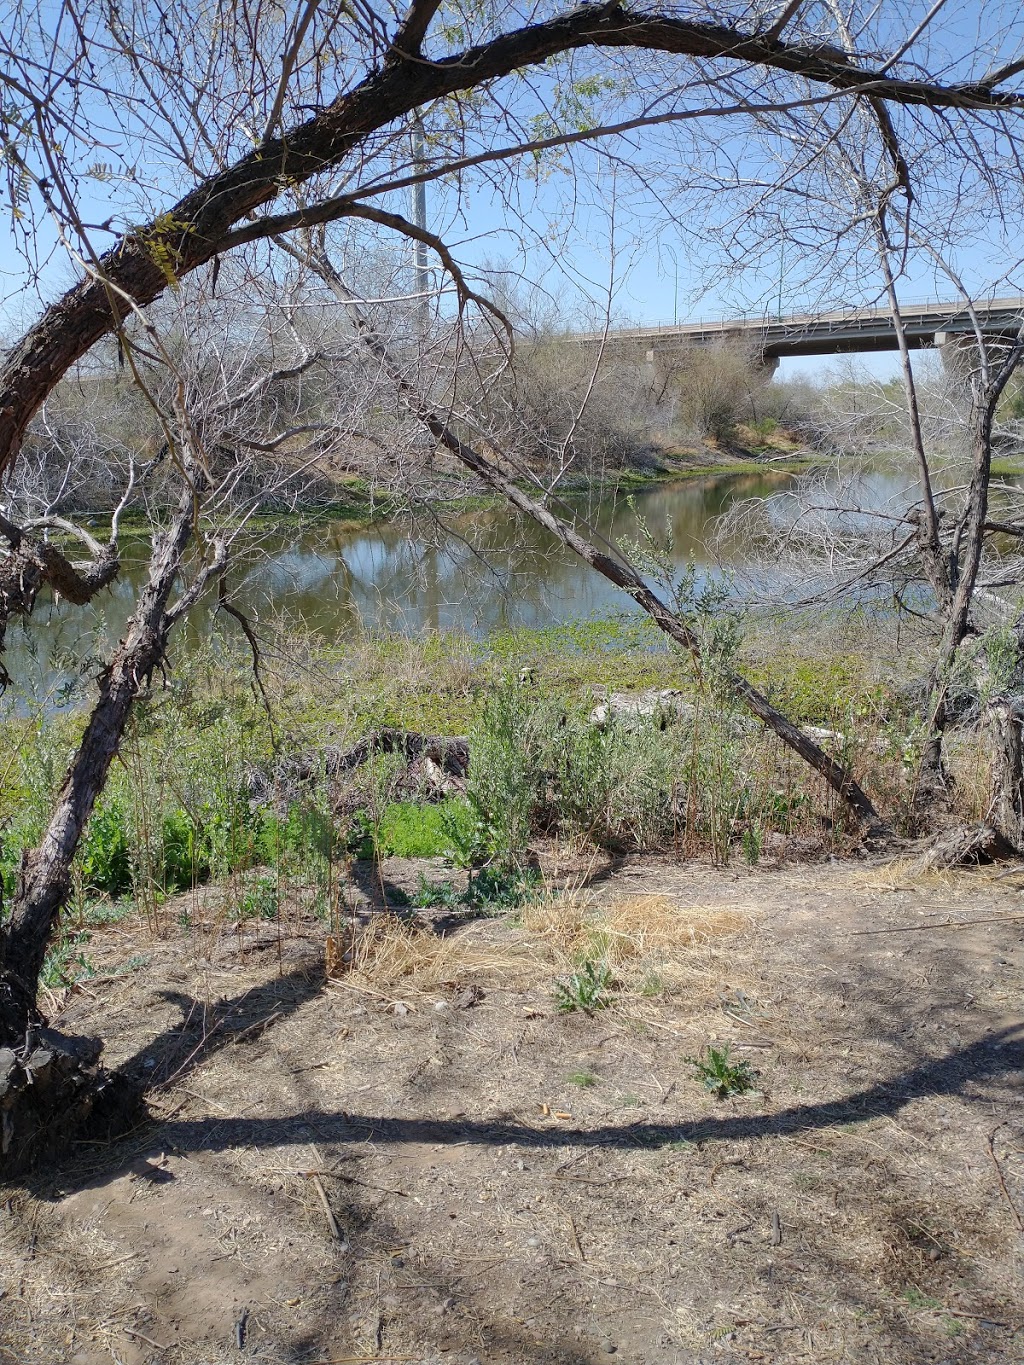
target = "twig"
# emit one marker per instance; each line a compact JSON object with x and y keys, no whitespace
{"x":337,"y":1175}
{"x":575,"y":1235}
{"x":148,"y":1340}
{"x":368,"y":990}
{"x":945,"y":924}
{"x":260,"y":1023}
{"x":1002,"y":1183}
{"x":332,"y":1222}
{"x":109,"y":1265}
{"x":979,"y":1317}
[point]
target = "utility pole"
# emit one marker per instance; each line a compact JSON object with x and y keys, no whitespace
{"x":675,"y":292}
{"x":419,"y":217}
{"x":782,"y":275}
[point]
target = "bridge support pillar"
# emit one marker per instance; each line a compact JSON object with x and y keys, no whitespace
{"x":767,"y":365}
{"x":957,"y":352}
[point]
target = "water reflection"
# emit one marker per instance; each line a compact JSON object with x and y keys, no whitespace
{"x":476,"y":570}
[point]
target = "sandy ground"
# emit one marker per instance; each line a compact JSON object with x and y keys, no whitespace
{"x":442,"y":1167}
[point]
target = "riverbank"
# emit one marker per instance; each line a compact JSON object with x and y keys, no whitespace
{"x":353,"y":502}
{"x":207,"y":784}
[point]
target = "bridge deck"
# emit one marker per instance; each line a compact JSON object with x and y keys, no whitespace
{"x":860,"y":329}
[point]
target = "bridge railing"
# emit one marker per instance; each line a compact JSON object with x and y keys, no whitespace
{"x":912,"y":310}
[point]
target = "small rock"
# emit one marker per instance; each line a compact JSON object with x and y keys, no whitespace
{"x":609,"y":1347}
{"x":400,"y":1008}
{"x":441,"y":1006}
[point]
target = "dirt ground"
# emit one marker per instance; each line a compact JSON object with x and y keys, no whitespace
{"x":510,"y":1183}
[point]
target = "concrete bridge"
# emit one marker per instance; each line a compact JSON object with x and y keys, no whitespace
{"x":947,"y":326}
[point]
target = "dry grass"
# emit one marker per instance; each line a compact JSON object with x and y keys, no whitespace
{"x":640,"y":937}
{"x":389,"y":951}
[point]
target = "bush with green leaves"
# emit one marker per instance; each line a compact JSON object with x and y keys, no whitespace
{"x":538,"y":768}
{"x":506,"y":785}
{"x":105,"y":854}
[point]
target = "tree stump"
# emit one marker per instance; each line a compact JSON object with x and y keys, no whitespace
{"x":53,"y":1090}
{"x":1005,"y":719}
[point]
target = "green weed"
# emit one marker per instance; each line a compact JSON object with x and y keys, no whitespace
{"x":917,"y":1299}
{"x":261,"y":900}
{"x":492,"y":891}
{"x":65,"y":962}
{"x":719,"y":1075}
{"x":584,"y":1079}
{"x":587,"y":989}
{"x":412,"y":830}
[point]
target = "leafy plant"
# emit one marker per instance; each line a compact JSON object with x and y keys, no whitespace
{"x":587,"y":989}
{"x":66,"y":963}
{"x":493,"y":890}
{"x":505,"y":774}
{"x":446,"y":895}
{"x":410,"y":829}
{"x":105,"y":857}
{"x":719,"y":1075}
{"x":261,"y":901}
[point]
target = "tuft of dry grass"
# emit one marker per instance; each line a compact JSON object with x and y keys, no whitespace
{"x":389,"y":951}
{"x":640,"y":937}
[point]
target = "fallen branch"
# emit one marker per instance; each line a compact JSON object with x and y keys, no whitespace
{"x":1002,"y":1182}
{"x":944,"y":924}
{"x":332,"y":1222}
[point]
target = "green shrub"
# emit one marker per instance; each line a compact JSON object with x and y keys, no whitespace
{"x":506,"y":771}
{"x":105,"y":852}
{"x":411,"y":830}
{"x":536,"y":768}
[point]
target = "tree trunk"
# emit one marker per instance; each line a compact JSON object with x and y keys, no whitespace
{"x":45,"y":874}
{"x":1005,"y":719}
{"x":50,"y":1085}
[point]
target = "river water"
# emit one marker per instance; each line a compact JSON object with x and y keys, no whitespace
{"x":474,"y":570}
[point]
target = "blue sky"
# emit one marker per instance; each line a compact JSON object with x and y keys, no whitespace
{"x":664,"y":263}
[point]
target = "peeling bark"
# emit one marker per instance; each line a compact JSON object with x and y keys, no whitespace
{"x":1005,"y":720}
